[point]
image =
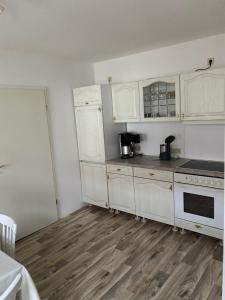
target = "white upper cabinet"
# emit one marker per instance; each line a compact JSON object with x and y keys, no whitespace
{"x":160,"y":99}
{"x":154,"y":200}
{"x":121,"y":192}
{"x":94,"y":184}
{"x":90,"y":134}
{"x":125,"y":99}
{"x":203,"y":95}
{"x":88,"y":95}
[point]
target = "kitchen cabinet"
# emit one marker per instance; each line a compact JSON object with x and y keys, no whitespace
{"x":160,"y":99}
{"x":154,"y":200}
{"x":97,"y":137}
{"x":88,"y":95}
{"x":125,"y":99}
{"x":90,"y":134}
{"x":94,"y":184}
{"x":97,"y":134}
{"x":121,"y":192}
{"x":203,"y":95}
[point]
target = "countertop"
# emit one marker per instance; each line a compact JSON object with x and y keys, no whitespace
{"x":153,"y":162}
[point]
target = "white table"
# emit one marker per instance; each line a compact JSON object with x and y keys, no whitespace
{"x":9,"y":268}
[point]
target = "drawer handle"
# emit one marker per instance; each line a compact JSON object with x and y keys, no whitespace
{"x":118,"y":169}
{"x":151,"y":174}
{"x":86,"y":103}
{"x":198,"y":226}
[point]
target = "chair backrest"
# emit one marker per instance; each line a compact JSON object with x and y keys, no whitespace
{"x":7,"y":235}
{"x":12,"y":290}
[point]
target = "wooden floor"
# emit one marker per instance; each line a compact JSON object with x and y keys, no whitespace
{"x":96,"y":255}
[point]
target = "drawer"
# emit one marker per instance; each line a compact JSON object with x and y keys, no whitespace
{"x":117,"y":169}
{"x":203,"y":229}
{"x":154,"y":174}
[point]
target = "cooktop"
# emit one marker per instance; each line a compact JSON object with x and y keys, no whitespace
{"x":215,"y":166}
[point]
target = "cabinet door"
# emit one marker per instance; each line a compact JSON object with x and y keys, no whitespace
{"x":125,"y":99}
{"x":160,"y":99}
{"x":88,"y":95}
{"x":90,"y":134}
{"x":121,"y":192}
{"x":203,"y":95}
{"x":94,"y":184}
{"x":154,"y":200}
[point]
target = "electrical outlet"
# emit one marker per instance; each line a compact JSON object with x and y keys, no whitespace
{"x":211,"y":61}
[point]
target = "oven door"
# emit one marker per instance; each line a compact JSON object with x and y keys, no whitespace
{"x":199,"y":204}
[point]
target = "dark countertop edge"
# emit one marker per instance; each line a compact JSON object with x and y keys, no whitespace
{"x":155,"y":165}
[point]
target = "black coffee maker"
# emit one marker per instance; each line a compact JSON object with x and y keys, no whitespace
{"x":127,"y":141}
{"x":165,"y":148}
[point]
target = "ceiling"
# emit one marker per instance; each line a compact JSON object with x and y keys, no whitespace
{"x":94,"y":30}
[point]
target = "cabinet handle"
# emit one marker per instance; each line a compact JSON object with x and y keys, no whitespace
{"x":171,"y":187}
{"x":86,"y":103}
{"x":151,"y":174}
{"x":198,"y":226}
{"x":118,"y":169}
{"x":100,"y":109}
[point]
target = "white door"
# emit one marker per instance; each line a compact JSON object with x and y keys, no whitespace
{"x":160,"y":99}
{"x":203,"y":95}
{"x":26,"y":181}
{"x":125,"y":99}
{"x":88,"y":95}
{"x":154,"y":200}
{"x":90,"y":133}
{"x":94,"y":184}
{"x":121,"y":192}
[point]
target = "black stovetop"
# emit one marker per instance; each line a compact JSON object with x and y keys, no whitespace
{"x":215,"y":166}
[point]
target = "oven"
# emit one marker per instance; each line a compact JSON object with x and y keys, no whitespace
{"x":199,"y":199}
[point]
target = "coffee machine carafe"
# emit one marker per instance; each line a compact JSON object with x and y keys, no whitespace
{"x":127,"y":142}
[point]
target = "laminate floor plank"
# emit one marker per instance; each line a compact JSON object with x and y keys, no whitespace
{"x":92,"y":254}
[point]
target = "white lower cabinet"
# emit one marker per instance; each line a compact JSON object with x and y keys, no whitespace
{"x":94,"y":184}
{"x":154,"y":200}
{"x":121,"y":192}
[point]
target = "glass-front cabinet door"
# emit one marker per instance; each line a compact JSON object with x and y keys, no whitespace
{"x":160,"y":99}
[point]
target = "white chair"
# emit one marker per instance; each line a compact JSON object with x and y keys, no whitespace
{"x":13,"y":290}
{"x":7,"y":235}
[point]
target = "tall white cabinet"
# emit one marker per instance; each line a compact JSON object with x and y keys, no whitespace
{"x":97,"y":138}
{"x":90,"y":133}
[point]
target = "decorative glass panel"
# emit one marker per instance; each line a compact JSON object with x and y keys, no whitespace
{"x":159,"y":100}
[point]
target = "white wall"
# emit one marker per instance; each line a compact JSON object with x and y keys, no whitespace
{"x":59,"y":76}
{"x":195,"y":141}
